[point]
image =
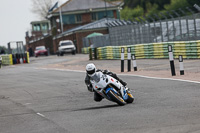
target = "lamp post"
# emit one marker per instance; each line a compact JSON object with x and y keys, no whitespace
{"x":106,"y":10}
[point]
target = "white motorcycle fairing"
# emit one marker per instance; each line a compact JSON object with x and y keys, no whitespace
{"x":102,"y":83}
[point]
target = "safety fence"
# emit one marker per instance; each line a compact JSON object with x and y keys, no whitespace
{"x":11,"y":59}
{"x":188,"y":49}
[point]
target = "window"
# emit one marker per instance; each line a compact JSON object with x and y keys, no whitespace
{"x":68,"y":19}
{"x":78,"y":18}
{"x":45,"y":26}
{"x":94,"y":16}
{"x":36,"y":27}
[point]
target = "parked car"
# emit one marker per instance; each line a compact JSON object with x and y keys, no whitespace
{"x":41,"y":50}
{"x":66,"y":46}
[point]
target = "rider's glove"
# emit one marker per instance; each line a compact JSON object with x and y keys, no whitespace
{"x":90,"y":88}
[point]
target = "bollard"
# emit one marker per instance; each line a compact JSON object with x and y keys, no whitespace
{"x":122,"y":59}
{"x":181,"y":65}
{"x":134,"y":63}
{"x":129,"y":59}
{"x":171,"y":59}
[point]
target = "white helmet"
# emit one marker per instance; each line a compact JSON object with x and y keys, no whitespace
{"x":90,"y":69}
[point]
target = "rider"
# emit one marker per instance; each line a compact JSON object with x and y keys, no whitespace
{"x":90,"y":72}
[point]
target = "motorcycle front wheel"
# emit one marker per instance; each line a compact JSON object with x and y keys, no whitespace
{"x":130,"y":98}
{"x":116,"y":98}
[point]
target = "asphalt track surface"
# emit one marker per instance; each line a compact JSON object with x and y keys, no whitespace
{"x":34,"y":99}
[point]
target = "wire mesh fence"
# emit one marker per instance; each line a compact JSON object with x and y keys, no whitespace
{"x":185,"y":28}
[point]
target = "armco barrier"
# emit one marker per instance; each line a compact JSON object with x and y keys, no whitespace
{"x":188,"y":49}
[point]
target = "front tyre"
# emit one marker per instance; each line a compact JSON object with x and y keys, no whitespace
{"x":130,"y":97}
{"x":114,"y":97}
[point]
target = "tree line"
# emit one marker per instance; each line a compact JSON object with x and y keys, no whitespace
{"x":143,"y":8}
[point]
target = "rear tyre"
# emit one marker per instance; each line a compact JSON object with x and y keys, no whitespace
{"x":116,"y":98}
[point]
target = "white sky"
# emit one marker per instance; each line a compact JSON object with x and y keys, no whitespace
{"x":15,"y":20}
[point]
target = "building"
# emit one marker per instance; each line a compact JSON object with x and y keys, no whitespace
{"x":75,"y":13}
{"x":41,"y":30}
{"x":80,"y":12}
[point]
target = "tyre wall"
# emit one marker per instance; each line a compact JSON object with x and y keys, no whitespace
{"x":188,"y":49}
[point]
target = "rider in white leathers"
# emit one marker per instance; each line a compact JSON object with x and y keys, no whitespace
{"x":90,"y":72}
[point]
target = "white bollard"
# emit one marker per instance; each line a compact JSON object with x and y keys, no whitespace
{"x":134,"y":63}
{"x":129,"y":58}
{"x":171,"y":59}
{"x":122,"y":59}
{"x":181,"y":65}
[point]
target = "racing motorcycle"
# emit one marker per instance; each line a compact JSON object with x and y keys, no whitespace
{"x":111,"y":89}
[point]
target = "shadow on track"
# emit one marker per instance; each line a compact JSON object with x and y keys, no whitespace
{"x":99,"y":107}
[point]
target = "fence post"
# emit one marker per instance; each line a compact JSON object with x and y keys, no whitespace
{"x":171,"y":59}
{"x":129,"y":58}
{"x":122,"y":59}
{"x":90,"y":54}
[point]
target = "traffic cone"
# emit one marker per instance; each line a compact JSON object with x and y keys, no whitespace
{"x":24,"y":60}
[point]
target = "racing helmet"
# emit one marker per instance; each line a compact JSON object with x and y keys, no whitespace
{"x":90,"y":69}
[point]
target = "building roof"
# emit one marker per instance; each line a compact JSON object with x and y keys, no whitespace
{"x":42,"y":21}
{"x":78,"y":5}
{"x":102,"y":23}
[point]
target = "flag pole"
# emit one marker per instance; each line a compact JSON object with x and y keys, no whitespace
{"x":61,"y":21}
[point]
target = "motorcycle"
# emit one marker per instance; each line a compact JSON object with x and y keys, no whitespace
{"x":111,"y":89}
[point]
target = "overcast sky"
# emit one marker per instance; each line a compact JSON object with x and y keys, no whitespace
{"x":15,"y":17}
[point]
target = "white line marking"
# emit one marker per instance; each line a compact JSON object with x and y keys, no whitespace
{"x":161,"y":78}
{"x":40,"y":114}
{"x":68,"y":70}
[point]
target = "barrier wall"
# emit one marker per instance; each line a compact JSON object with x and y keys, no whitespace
{"x":7,"y":59}
{"x":188,"y":49}
{"x":85,"y":50}
{"x":10,"y":59}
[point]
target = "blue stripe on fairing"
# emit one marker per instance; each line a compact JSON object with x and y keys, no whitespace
{"x":125,"y":96}
{"x":108,"y":89}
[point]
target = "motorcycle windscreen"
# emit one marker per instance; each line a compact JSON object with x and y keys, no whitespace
{"x":96,"y":77}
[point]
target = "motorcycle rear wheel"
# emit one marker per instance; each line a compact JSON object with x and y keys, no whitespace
{"x":116,"y":98}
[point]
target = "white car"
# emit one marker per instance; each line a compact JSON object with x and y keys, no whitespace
{"x":66,"y":46}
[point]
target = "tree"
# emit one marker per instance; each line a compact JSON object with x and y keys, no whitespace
{"x":176,"y":4}
{"x":151,"y":9}
{"x":192,"y":2}
{"x":128,"y":13}
{"x":41,"y":7}
{"x":5,"y":49}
